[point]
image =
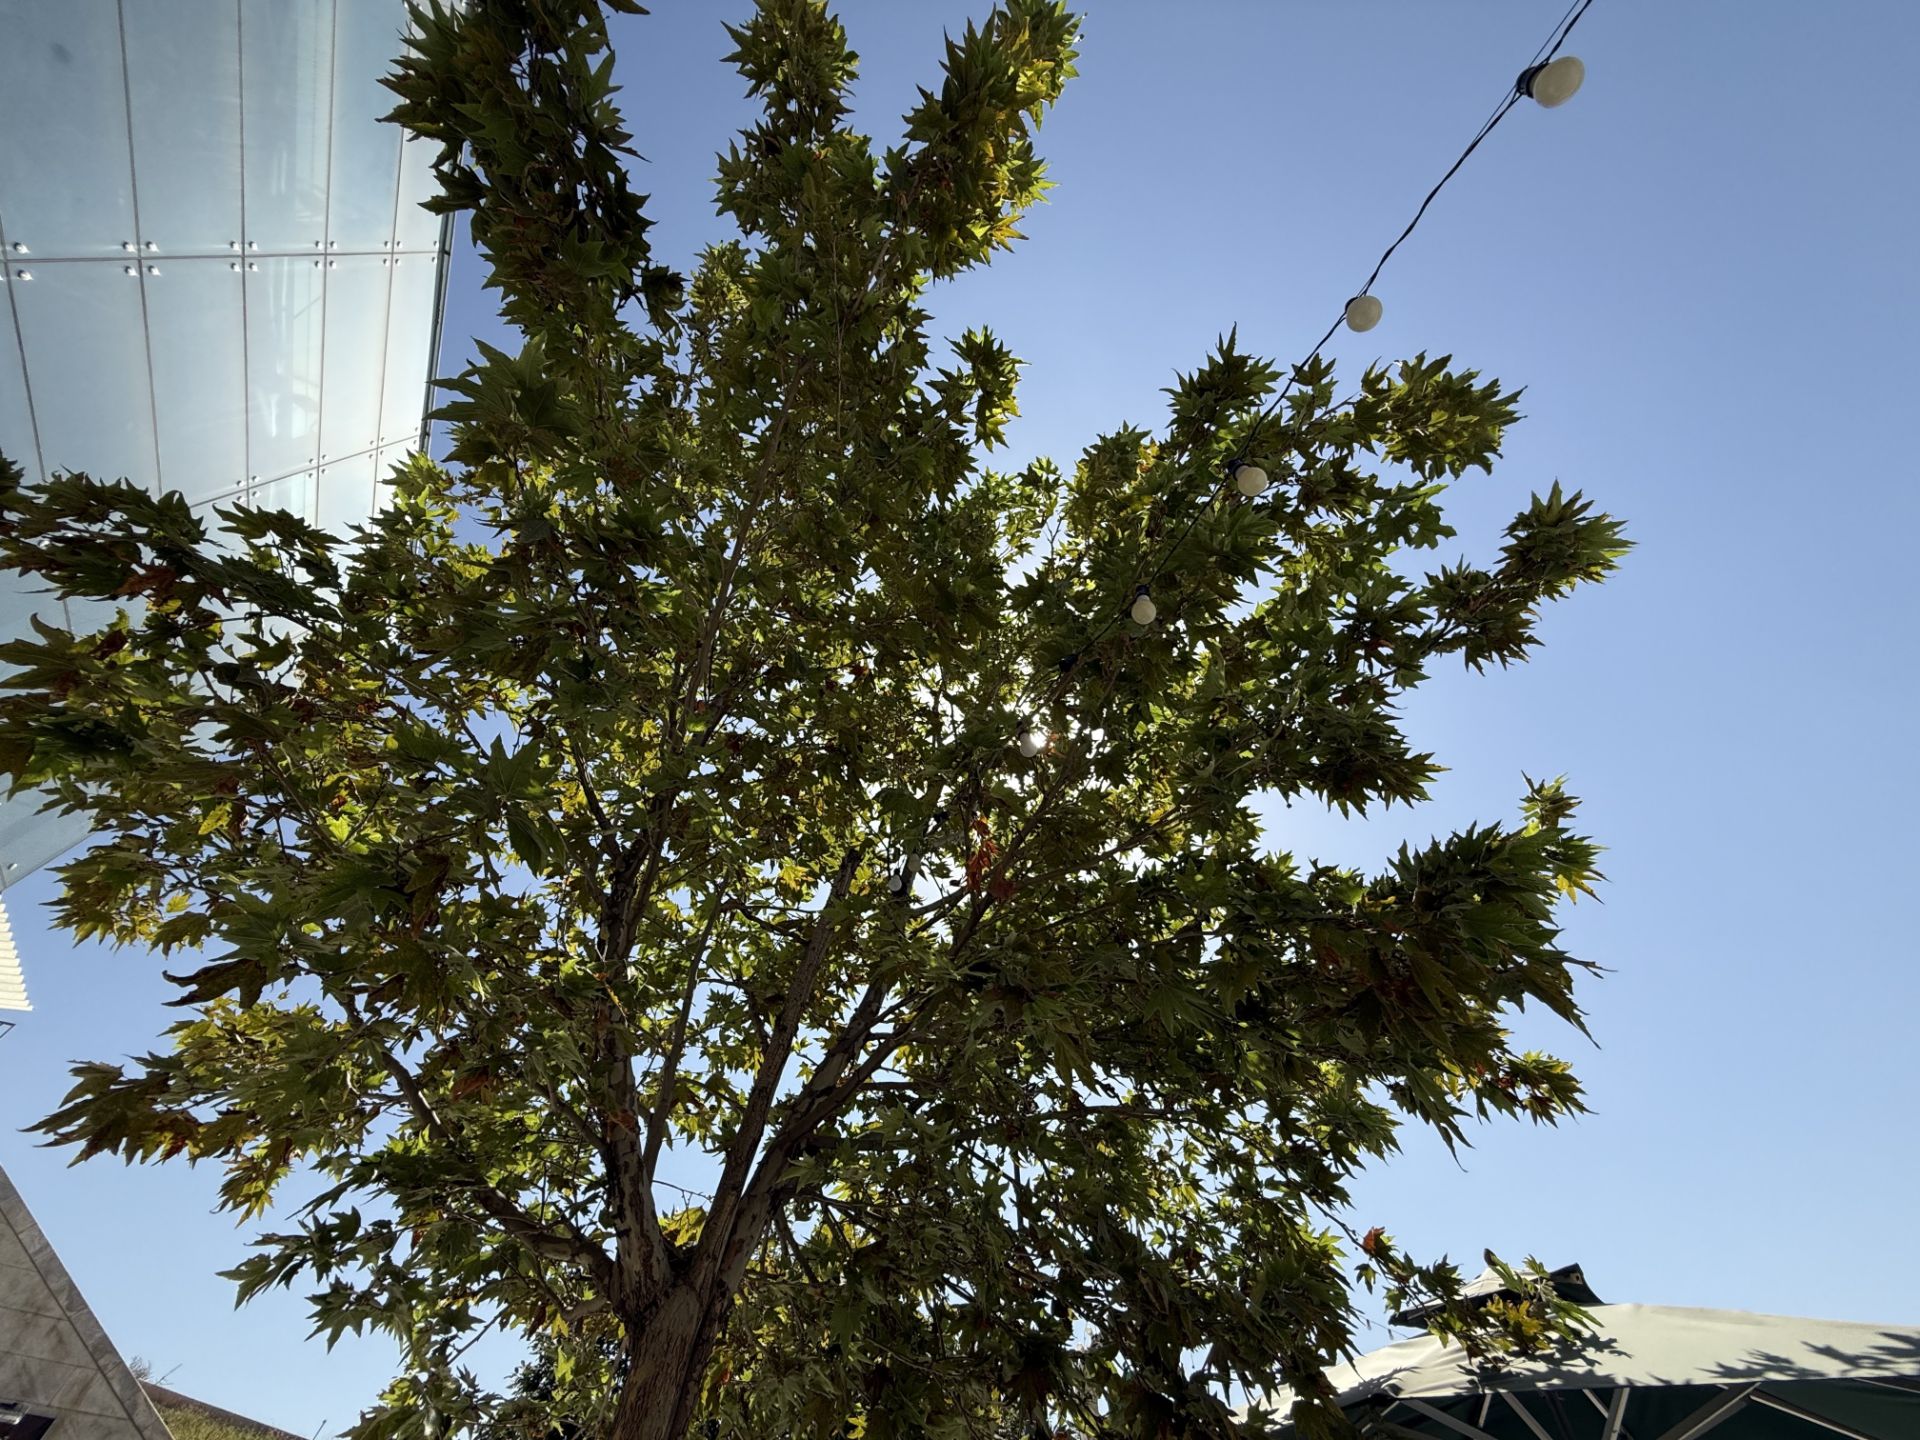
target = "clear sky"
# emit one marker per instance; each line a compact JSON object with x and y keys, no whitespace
{"x":1702,"y":268}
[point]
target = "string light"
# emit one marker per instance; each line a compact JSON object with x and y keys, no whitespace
{"x":1554,"y":83}
{"x":1363,"y":311}
{"x":1550,"y":80}
{"x":900,"y":881}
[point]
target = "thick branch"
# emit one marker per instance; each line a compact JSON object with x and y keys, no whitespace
{"x":716,"y":1237}
{"x":567,"y":1244}
{"x":662,"y":1108}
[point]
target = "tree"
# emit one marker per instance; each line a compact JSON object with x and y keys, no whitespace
{"x":545,"y":1397}
{"x":717,"y":758}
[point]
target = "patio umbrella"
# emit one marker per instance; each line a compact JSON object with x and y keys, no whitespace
{"x":1649,"y":1372}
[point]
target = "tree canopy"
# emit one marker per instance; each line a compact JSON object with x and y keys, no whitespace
{"x":716,"y":766}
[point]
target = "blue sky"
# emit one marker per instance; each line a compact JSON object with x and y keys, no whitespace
{"x":1702,"y":269}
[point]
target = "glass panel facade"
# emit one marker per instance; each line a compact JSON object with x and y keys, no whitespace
{"x":283,"y":366}
{"x":416,"y":293}
{"x":16,"y":419}
{"x":286,"y":83}
{"x":29,"y":840}
{"x":366,"y":152}
{"x":22,"y":596}
{"x":86,"y":346}
{"x":199,"y":339}
{"x":417,"y":229}
{"x":253,"y":350}
{"x":183,"y":85}
{"x":383,"y":471}
{"x":66,"y":180}
{"x":356,"y":351}
{"x":346,"y":494}
{"x":294,"y":493}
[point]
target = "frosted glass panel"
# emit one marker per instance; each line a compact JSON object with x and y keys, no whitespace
{"x":366,"y":151}
{"x":383,"y":472}
{"x":356,"y":343}
{"x":16,"y":419}
{"x":417,"y":228}
{"x":416,"y":284}
{"x":87,"y":367}
{"x":287,"y":80}
{"x":346,"y":494}
{"x":66,"y":183}
{"x":199,"y":376}
{"x":21,"y":596}
{"x":183,"y":78}
{"x":29,"y":840}
{"x":292,"y":493}
{"x":283,"y":366}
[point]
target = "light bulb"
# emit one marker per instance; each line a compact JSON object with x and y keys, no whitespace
{"x":1555,"y":82}
{"x":1144,"y":611}
{"x":897,"y":882}
{"x":1249,"y":480}
{"x":1363,"y":313}
{"x":1032,"y":739}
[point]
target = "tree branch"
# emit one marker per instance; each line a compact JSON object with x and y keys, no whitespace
{"x":662,"y":1107}
{"x":716,"y":1238}
{"x":567,"y":1245}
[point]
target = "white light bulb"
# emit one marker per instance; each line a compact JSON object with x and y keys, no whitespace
{"x":1554,"y":83}
{"x":1144,"y":611}
{"x":1363,"y":313}
{"x":1032,"y":740}
{"x":897,"y":883}
{"x":1250,"y":480}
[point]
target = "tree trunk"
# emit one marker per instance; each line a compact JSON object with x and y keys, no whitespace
{"x":669,"y":1357}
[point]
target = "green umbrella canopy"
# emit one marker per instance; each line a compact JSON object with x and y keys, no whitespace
{"x":1650,"y":1372}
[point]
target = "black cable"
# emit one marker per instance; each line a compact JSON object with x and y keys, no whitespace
{"x":1559,"y":30}
{"x":1585,"y":5}
{"x":1485,"y":130}
{"x":1549,"y":48}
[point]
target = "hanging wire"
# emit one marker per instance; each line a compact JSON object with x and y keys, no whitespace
{"x":1558,"y":36}
{"x":1550,"y":47}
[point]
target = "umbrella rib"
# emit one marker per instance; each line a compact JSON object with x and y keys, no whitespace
{"x":1711,"y":1413}
{"x":1616,"y":1413}
{"x":1787,"y":1407}
{"x":1435,"y":1413}
{"x":1911,"y":1387}
{"x":1526,"y":1415}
